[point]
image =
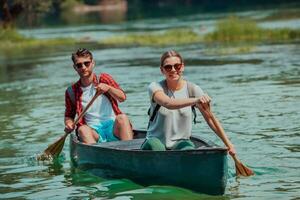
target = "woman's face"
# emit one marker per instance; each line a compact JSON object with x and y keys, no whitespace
{"x":172,"y":68}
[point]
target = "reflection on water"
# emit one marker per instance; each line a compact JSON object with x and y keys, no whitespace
{"x":255,"y":95}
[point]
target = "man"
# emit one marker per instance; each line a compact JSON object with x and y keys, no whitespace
{"x":104,"y":120}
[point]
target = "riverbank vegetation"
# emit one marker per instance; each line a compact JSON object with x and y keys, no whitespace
{"x":170,"y":37}
{"x":230,"y":30}
{"x":227,"y":32}
{"x":11,"y":41}
{"x":234,"y":29}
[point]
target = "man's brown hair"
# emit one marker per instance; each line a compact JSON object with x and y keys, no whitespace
{"x":82,"y":52}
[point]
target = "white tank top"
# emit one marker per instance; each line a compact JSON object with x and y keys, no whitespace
{"x":101,"y":110}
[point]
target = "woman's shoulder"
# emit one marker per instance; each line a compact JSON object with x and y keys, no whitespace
{"x":156,"y":84}
{"x":194,"y":88}
{"x":153,"y":86}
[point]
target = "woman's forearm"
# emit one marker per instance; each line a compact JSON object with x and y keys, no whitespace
{"x":173,"y":104}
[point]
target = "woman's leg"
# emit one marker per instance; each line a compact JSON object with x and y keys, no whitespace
{"x":183,"y":145}
{"x":153,"y":144}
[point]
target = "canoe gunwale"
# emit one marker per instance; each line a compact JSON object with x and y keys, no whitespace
{"x":211,"y":147}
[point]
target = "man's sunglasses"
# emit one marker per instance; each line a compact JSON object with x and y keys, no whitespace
{"x":176,"y":66}
{"x":80,"y":65}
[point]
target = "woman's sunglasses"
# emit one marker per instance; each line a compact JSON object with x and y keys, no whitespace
{"x":176,"y":66}
{"x":80,"y":65}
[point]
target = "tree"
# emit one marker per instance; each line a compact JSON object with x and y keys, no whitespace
{"x":9,"y":12}
{"x":11,"y":9}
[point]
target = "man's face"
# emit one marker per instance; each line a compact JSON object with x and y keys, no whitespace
{"x":84,"y":66}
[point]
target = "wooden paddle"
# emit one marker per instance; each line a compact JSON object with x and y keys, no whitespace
{"x":240,"y":168}
{"x":55,"y":149}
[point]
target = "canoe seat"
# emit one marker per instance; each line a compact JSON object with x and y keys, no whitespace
{"x":134,"y":144}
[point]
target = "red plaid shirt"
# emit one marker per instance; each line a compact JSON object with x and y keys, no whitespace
{"x":71,"y":110}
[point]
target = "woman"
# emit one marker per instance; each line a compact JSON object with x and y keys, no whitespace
{"x":170,"y":124}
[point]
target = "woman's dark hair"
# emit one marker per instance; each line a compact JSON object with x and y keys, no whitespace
{"x":169,"y":54}
{"x":81,"y":53}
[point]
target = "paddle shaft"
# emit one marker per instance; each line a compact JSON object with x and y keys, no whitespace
{"x":85,"y":109}
{"x":219,"y":129}
{"x":240,"y":167}
{"x":55,"y":148}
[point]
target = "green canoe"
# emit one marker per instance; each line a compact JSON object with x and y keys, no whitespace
{"x":201,"y":170}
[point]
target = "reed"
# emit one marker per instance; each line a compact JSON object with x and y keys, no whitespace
{"x":231,"y":30}
{"x":170,"y":37}
{"x":235,"y":30}
{"x":11,"y":40}
{"x":11,"y":35}
{"x":228,"y":32}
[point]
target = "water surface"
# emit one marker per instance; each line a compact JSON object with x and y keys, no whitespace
{"x":256,"y":96}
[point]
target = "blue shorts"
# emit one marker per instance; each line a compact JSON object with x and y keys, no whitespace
{"x":105,"y":131}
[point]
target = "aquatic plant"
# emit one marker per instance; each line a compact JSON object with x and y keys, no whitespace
{"x":10,"y":35}
{"x":170,"y":37}
{"x":234,"y":29}
{"x":230,"y":30}
{"x":12,"y":41}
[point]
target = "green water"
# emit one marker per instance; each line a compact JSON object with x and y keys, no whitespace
{"x":256,"y":95}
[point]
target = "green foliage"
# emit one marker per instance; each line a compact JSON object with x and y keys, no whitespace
{"x":69,"y":4}
{"x":11,"y":40}
{"x":228,"y":33}
{"x":10,"y":35}
{"x":36,"y":6}
{"x":230,"y":30}
{"x":171,"y":37}
{"x":234,"y":29}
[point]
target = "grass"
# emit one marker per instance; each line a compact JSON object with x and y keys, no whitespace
{"x":234,"y":29}
{"x":11,"y":41}
{"x":10,"y":35}
{"x":228,"y":32}
{"x":170,"y":37}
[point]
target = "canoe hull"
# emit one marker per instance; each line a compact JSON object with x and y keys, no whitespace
{"x":202,"y":170}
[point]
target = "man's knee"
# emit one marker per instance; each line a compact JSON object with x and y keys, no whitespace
{"x":84,"y":131}
{"x":81,"y":130}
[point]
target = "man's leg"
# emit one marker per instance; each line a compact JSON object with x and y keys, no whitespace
{"x":122,"y":128}
{"x":87,"y":135}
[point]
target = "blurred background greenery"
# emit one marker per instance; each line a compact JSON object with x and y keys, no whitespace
{"x":22,"y":14}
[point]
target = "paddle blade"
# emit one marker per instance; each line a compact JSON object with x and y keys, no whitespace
{"x":54,"y":149}
{"x":241,"y":169}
